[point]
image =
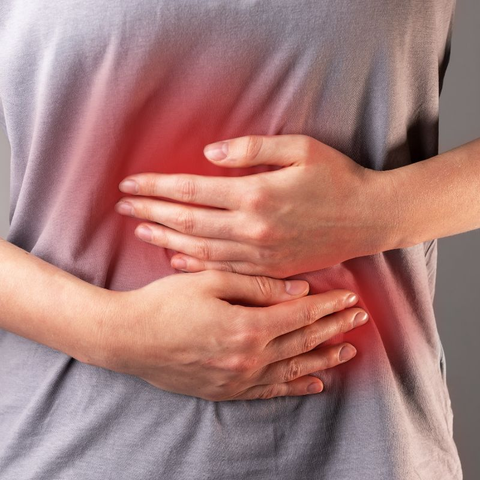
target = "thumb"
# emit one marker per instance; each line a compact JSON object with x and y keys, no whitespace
{"x":259,"y":290}
{"x":253,"y":150}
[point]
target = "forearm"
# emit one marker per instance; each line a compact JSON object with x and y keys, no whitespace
{"x":437,"y":197}
{"x":43,"y":303}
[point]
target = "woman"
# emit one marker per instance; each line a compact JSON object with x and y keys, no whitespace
{"x":117,"y":365}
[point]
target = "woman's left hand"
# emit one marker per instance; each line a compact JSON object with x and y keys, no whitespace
{"x":320,"y":209}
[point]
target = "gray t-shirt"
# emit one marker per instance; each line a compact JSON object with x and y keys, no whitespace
{"x":92,"y":91}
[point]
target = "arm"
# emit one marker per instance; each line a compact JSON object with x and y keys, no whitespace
{"x":45,"y":304}
{"x":150,"y":332}
{"x":437,"y":197}
{"x":321,"y":208}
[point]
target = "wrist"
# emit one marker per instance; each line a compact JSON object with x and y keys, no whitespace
{"x":383,"y":210}
{"x":406,"y":232}
{"x":108,"y":329}
{"x":439,"y":195}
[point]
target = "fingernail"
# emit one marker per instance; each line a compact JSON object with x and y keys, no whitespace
{"x":315,"y":387}
{"x":179,"y":263}
{"x":351,"y":299}
{"x":124,"y":208}
{"x":295,"y":287}
{"x":144,"y":233}
{"x":128,"y":186}
{"x":216,"y":151}
{"x":347,"y":352}
{"x":360,"y":318}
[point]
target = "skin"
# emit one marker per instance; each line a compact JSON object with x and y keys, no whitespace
{"x":262,"y":340}
{"x":314,"y":212}
{"x":125,"y":331}
{"x":264,"y":350}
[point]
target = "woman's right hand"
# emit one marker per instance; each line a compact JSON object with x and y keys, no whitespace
{"x":226,"y":336}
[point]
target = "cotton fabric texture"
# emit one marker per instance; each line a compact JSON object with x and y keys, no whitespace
{"x":92,"y":91}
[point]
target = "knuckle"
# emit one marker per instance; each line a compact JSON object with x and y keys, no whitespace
{"x":251,"y":268}
{"x":292,"y":370}
{"x":309,"y":314}
{"x":326,"y":360}
{"x":187,"y":189}
{"x":338,"y":303}
{"x":264,"y":285}
{"x":227,"y":266}
{"x":234,"y":364}
{"x":304,"y":145}
{"x":159,"y":237}
{"x":240,"y":364}
{"x":246,"y":339}
{"x":255,"y":200}
{"x":185,"y":221}
{"x":253,"y":147}
{"x":309,"y":342}
{"x":263,"y":233}
{"x":225,"y":230}
{"x":143,"y":209}
{"x":202,"y":249}
{"x":343,"y":322}
{"x":150,"y":185}
{"x":269,"y":391}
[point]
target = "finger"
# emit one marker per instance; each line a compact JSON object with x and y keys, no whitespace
{"x":251,"y":150}
{"x":255,"y":290}
{"x":283,"y":318}
{"x":190,"y":264}
{"x":294,"y":367}
{"x":198,"y":221}
{"x":305,"y":339}
{"x":221,"y":192}
{"x":204,"y":248}
{"x":300,"y":386}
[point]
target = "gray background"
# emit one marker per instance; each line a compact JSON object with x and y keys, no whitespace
{"x":457,"y":310}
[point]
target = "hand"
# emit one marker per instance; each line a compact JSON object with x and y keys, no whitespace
{"x":225,"y":336}
{"x":313,"y":213}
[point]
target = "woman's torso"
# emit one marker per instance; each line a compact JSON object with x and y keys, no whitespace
{"x":94,"y":91}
